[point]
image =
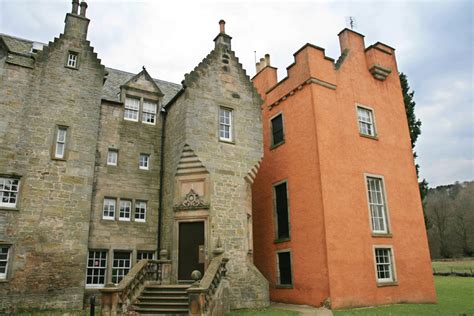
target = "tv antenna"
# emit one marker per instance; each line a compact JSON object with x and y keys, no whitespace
{"x":351,"y":22}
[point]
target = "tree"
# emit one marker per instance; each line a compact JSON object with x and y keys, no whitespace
{"x":414,"y":127}
{"x":439,"y":207}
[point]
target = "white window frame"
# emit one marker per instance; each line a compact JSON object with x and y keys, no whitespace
{"x":145,"y":254}
{"x":106,"y":208}
{"x":60,"y":142}
{"x":119,"y":265}
{"x":144,"y":162}
{"x":223,"y":123}
{"x":390,"y":264}
{"x":123,"y":210}
{"x":112,"y":157}
{"x":148,"y":112}
{"x":131,"y":109}
{"x":366,"y":127}
{"x":12,"y":191}
{"x":96,"y":270}
{"x":377,"y":205}
{"x":4,"y":275}
{"x":140,"y":211}
{"x":72,"y":59}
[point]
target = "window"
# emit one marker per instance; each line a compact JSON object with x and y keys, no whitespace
{"x":366,"y":121}
{"x":284,"y":268}
{"x":377,"y":207}
{"x":277,"y":130}
{"x":281,"y":206}
{"x":109,"y":209}
{"x":125,"y":210}
{"x":132,"y":105}
{"x":61,"y":134}
{"x":149,"y":112}
{"x":145,"y":255}
{"x":140,"y":211}
{"x":144,"y":161}
{"x":384,"y":265}
{"x":225,"y":124}
{"x":96,"y":268}
{"x":112,"y":157}
{"x":9,"y":188}
{"x":121,"y":265}
{"x":4,"y":254}
{"x":72,"y":60}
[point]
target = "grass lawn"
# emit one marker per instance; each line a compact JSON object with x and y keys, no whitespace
{"x":456,"y":266}
{"x":262,"y":311}
{"x":455,"y":297}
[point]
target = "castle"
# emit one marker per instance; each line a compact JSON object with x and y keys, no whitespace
{"x":129,"y":188}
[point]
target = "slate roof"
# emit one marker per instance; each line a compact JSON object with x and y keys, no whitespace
{"x":115,"y":78}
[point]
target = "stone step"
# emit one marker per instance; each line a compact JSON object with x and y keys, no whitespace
{"x":156,"y":296}
{"x":160,"y":304}
{"x":163,"y":293}
{"x":166,"y":311}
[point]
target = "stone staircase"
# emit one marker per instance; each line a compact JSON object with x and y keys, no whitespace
{"x":162,"y":299}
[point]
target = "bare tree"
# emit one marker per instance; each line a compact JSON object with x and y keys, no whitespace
{"x":464,"y":219}
{"x":439,"y":210}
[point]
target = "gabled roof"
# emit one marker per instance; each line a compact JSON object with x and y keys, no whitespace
{"x":115,"y":78}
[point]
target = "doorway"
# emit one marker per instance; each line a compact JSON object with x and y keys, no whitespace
{"x":191,"y":251}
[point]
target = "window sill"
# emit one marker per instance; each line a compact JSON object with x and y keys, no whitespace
{"x":281,"y":240}
{"x":58,"y":159}
{"x":384,"y":284}
{"x":6,"y":208}
{"x":277,"y":145}
{"x":231,"y":142}
{"x":369,"y":136}
{"x":284,"y":286}
{"x":4,"y":281}
{"x":73,"y":68}
{"x":382,"y":235}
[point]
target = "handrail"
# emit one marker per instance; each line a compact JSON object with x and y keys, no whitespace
{"x":116,"y":299}
{"x":202,"y":292}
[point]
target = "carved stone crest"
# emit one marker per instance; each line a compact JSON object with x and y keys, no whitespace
{"x":191,"y":201}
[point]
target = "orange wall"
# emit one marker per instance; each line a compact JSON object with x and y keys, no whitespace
{"x":324,"y":159}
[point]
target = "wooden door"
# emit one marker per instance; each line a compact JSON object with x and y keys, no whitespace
{"x":191,"y":252}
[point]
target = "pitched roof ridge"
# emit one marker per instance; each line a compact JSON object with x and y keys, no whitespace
{"x":20,"y":38}
{"x":133,"y":74}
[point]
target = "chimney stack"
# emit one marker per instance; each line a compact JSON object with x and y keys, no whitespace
{"x":75,"y":6}
{"x":222,"y":39}
{"x":83,"y":8}
{"x":264,"y":62}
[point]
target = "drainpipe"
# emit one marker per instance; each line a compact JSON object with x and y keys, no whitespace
{"x":162,"y":171}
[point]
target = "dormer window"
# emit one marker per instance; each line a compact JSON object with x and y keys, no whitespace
{"x":132,"y":106}
{"x":72,"y":60}
{"x":149,"y":112}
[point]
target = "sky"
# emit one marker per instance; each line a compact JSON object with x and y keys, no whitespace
{"x":434,"y":44}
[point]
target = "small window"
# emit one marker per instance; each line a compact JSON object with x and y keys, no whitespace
{"x":140,"y":211}
{"x":284,"y":268}
{"x":132,"y":106}
{"x":384,"y":265}
{"x":121,"y":265}
{"x":109,"y":209}
{"x":366,"y":121}
{"x":9,"y":188}
{"x":112,"y":157}
{"x":96,"y":268}
{"x":144,"y":161}
{"x":4,"y":256}
{"x":72,"y":60}
{"x":61,"y":137}
{"x":278,"y":136}
{"x":281,"y":205}
{"x":125,"y":210}
{"x":378,"y":211}
{"x":225,"y":124}
{"x":149,"y":112}
{"x":149,"y":255}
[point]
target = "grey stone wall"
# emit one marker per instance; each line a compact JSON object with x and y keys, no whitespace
{"x":48,"y":231}
{"x":220,"y":81}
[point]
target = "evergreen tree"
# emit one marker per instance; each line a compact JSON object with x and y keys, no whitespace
{"x":414,"y":127}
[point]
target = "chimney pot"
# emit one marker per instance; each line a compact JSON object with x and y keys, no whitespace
{"x":222,"y":26}
{"x":83,"y":8}
{"x":75,"y":6}
{"x":267,"y":60}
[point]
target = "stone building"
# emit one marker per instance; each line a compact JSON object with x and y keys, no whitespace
{"x":100,"y":168}
{"x":337,"y":189}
